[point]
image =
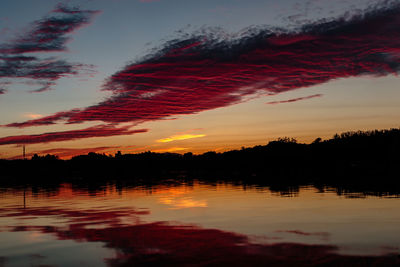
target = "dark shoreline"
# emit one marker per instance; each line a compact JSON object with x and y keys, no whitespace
{"x":356,"y":162}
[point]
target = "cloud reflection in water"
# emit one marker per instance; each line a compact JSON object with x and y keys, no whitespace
{"x":142,"y":243}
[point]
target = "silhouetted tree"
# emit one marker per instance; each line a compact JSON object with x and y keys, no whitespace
{"x":317,"y":140}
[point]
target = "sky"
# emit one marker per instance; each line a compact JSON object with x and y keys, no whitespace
{"x":193,"y":76}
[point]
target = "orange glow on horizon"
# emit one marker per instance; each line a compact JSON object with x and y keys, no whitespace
{"x":180,"y":137}
{"x":170,"y":149}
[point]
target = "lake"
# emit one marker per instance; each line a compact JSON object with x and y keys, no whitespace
{"x":198,"y":224}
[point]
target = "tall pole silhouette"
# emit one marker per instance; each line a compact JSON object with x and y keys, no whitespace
{"x":23,"y":155}
{"x":24,"y":198}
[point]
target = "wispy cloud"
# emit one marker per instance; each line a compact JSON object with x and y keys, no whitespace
{"x":293,"y":99}
{"x":96,"y":131}
{"x":323,"y":235}
{"x":45,"y":86}
{"x":48,"y":120}
{"x":49,"y":34}
{"x":211,"y":69}
{"x":3,"y":86}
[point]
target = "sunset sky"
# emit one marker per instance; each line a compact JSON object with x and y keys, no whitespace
{"x":193,"y":76}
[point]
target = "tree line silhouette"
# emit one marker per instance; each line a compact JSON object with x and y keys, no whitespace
{"x":362,"y":159}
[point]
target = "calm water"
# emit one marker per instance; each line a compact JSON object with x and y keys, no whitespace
{"x":195,"y":224}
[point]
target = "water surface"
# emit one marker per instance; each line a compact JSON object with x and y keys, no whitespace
{"x":197,"y":223}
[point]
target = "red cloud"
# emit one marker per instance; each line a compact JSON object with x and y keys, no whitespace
{"x":208,"y":70}
{"x":294,"y":99}
{"x":96,"y":131}
{"x":48,"y":120}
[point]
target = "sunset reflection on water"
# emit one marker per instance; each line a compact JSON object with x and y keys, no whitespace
{"x":198,"y":222}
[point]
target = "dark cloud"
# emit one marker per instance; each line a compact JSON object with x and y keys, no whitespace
{"x":45,"y":86}
{"x":293,"y":99}
{"x":3,"y":86}
{"x":49,"y":34}
{"x":96,"y":131}
{"x":324,"y":235}
{"x":42,"y":70}
{"x":210,"y":69}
